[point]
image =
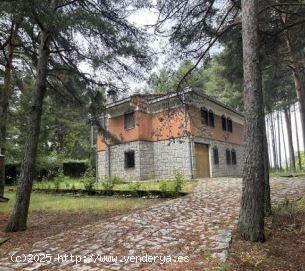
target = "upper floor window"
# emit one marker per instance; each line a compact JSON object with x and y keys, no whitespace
{"x":204,"y":116}
{"x":224,"y":122}
{"x":207,"y":117}
{"x":215,"y":156}
{"x":233,"y":157}
{"x":227,"y":124}
{"x":230,"y":125}
{"x":228,"y":156}
{"x":129,"y":121}
{"x":211,"y":118}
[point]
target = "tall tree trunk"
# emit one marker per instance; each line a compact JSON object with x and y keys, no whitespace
{"x":18,"y":217}
{"x":284,"y":145}
{"x":279,"y":141}
{"x":4,"y":99}
{"x":297,"y":136}
{"x":251,"y":216}
{"x":268,"y":141}
{"x":275,"y":165}
{"x":298,"y":79}
{"x":267,"y":199}
{"x":290,"y":142}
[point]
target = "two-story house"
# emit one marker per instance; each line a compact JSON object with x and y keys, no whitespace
{"x":158,"y":135}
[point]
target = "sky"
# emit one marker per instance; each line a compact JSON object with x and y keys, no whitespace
{"x":143,"y":18}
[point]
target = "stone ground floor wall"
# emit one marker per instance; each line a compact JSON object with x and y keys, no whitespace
{"x":222,"y":169}
{"x":153,"y":160}
{"x":161,"y":159}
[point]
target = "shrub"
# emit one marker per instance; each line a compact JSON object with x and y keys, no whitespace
{"x":73,"y":187}
{"x":178,"y":182}
{"x":47,"y":167}
{"x":107,"y":185}
{"x":58,"y":180}
{"x":75,"y":168}
{"x":163,"y":186}
{"x":134,"y":186}
{"x":116,"y":180}
{"x":67,"y":185}
{"x":12,"y":172}
{"x":89,"y":180}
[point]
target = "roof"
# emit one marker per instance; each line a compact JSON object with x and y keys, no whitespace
{"x":155,"y":98}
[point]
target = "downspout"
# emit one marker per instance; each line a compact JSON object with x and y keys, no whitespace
{"x":108,"y":152}
{"x":108,"y":160}
{"x":189,"y":138}
{"x":191,"y":157}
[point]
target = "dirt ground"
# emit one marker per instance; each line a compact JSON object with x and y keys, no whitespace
{"x":284,"y":249}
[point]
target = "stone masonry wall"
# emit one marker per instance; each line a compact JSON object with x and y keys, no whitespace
{"x":222,"y":169}
{"x":161,"y":159}
{"x":172,"y":156}
{"x":147,"y":160}
{"x":153,"y":160}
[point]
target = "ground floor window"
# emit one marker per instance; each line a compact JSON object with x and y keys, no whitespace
{"x":215,"y":156}
{"x":233,"y":155}
{"x":228,"y":156}
{"x":129,"y":159}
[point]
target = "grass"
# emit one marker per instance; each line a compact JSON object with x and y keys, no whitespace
{"x":76,"y":183}
{"x":284,"y":173}
{"x":46,"y":202}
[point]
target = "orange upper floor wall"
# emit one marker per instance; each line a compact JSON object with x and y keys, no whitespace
{"x":216,"y":132}
{"x":169,"y":124}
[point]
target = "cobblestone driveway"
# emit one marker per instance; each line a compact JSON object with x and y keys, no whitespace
{"x":197,"y":226}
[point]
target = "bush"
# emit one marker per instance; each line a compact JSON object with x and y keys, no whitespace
{"x":75,"y":168}
{"x":163,"y":186}
{"x":108,"y":185}
{"x":12,"y":172}
{"x":116,"y":180}
{"x":134,"y":186}
{"x":89,"y":180}
{"x":59,"y":179}
{"x":47,"y":167}
{"x":178,"y":182}
{"x":172,"y":187}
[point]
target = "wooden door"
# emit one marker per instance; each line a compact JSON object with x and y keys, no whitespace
{"x":202,"y":160}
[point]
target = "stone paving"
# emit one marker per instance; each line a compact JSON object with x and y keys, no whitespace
{"x":196,"y":228}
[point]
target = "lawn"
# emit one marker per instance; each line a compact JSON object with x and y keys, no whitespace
{"x":53,"y":214}
{"x":47,"y":202}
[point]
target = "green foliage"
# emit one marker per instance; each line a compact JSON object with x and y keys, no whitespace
{"x":117,"y":180}
{"x":107,"y":185}
{"x":163,"y":186}
{"x":89,"y":180}
{"x":173,"y":187}
{"x":58,"y":180}
{"x":209,"y":79}
{"x":134,"y":186}
{"x":179,"y":181}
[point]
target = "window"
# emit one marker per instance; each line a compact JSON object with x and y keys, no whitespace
{"x":228,"y":157}
{"x":129,"y":122}
{"x":211,"y":118}
{"x":233,"y":156}
{"x":129,"y":159}
{"x":215,"y":155}
{"x":204,"y":116}
{"x":230,"y":125}
{"x":224,"y":123}
{"x":207,"y":117}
